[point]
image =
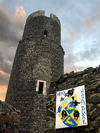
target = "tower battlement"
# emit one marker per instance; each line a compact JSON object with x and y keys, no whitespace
{"x":42,"y":13}
{"x":55,"y":18}
{"x":41,"y":27}
{"x":35,"y":14}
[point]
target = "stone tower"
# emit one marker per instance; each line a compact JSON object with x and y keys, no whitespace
{"x":39,"y":58}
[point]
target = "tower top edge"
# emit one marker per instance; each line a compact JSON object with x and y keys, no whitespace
{"x":53,"y":16}
{"x":42,"y":13}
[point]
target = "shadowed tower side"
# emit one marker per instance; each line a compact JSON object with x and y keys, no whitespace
{"x":39,"y":58}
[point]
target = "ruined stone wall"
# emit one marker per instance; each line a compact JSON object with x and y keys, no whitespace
{"x":91,"y":79}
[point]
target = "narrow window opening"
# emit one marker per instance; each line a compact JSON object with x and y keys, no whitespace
{"x":45,"y":33}
{"x":40,"y":88}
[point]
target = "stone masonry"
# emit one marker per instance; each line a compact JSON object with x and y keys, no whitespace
{"x":39,"y":58}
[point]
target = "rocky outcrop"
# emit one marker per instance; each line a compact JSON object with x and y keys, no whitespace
{"x":90,"y":77}
{"x":9,"y":116}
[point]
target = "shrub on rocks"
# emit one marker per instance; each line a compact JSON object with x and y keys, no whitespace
{"x":9,"y":121}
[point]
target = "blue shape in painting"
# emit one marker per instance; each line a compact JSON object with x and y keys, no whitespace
{"x":62,"y":99}
{"x":68,"y":101}
{"x":59,"y":109}
{"x":66,"y":108}
{"x":72,"y":105}
{"x":70,"y":111}
{"x":69,"y":122}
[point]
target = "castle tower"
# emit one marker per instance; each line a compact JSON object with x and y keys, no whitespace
{"x":39,"y":58}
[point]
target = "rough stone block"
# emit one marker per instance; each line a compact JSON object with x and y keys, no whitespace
{"x":50,"y":124}
{"x":96,"y":123}
{"x":96,"y":113}
{"x":94,"y":100}
{"x":90,"y":107}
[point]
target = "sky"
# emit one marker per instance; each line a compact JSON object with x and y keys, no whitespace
{"x":80,"y":32}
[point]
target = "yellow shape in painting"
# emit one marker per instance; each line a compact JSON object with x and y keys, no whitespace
{"x":69,"y":96}
{"x":72,"y":115}
{"x":68,"y":107}
{"x":63,"y":104}
{"x":75,"y":97}
{"x":60,"y":115}
{"x":69,"y":122}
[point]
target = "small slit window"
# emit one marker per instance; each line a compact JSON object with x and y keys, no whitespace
{"x":40,"y":91}
{"x":41,"y":87}
{"x":45,"y":33}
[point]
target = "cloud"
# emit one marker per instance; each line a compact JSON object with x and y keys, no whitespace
{"x":90,"y":53}
{"x":2,"y":95}
{"x":1,"y":58}
{"x":5,"y":24}
{"x":20,"y":12}
{"x":71,"y":34}
{"x":69,"y":62}
{"x":1,"y":1}
{"x":6,"y":67}
{"x":4,"y":78}
{"x":88,"y":23}
{"x":71,"y":67}
{"x":11,"y":28}
{"x":3,"y":90}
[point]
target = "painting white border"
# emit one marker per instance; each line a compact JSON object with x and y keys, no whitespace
{"x":80,"y":91}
